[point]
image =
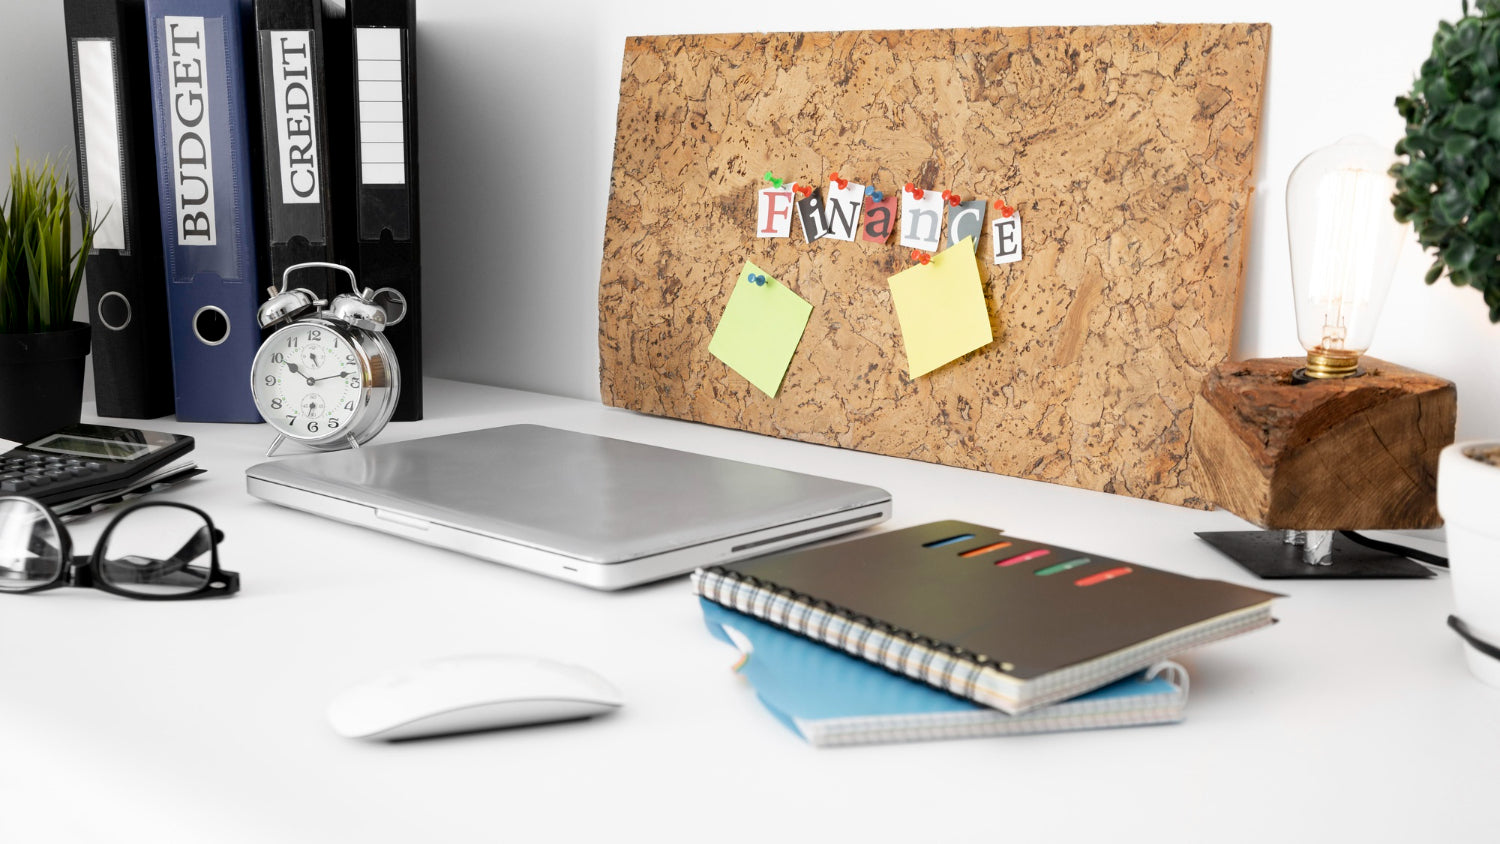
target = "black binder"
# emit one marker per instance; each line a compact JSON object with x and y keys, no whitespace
{"x":125,"y":277}
{"x":296,"y":139}
{"x":387,"y":242}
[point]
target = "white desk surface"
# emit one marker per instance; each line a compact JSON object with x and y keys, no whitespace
{"x":1354,"y":719}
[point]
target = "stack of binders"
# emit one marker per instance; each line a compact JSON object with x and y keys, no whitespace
{"x":952,"y":629}
{"x":233,"y":179}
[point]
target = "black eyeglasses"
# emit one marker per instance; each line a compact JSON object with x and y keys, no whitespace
{"x":156,"y":550}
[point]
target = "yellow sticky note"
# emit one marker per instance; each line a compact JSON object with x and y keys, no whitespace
{"x":941,"y":308}
{"x":760,"y":329}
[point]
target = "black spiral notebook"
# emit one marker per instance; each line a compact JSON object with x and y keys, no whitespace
{"x":1003,"y":621}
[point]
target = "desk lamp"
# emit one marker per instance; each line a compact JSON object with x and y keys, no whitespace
{"x":1335,"y":444}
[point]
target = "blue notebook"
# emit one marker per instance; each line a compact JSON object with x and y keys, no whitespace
{"x":830,"y":698}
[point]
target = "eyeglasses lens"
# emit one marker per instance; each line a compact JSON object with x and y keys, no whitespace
{"x":30,"y":548}
{"x":157,"y":551}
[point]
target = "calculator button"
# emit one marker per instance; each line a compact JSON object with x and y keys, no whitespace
{"x":94,"y":467}
{"x":78,"y":471}
{"x":16,"y":485}
{"x":58,"y":474}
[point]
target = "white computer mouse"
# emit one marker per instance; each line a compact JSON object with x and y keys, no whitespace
{"x":467,"y":693}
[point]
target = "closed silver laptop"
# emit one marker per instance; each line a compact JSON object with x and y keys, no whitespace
{"x":601,"y":512}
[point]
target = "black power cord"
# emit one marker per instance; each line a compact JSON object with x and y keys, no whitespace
{"x":1393,"y":548}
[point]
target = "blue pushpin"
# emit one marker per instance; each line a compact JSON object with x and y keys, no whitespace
{"x":874,"y":194}
{"x":756,"y":279}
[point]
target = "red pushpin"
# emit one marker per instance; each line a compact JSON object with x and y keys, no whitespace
{"x":1005,"y":210}
{"x":919,"y":255}
{"x":953,"y":198}
{"x":804,"y":190}
{"x":834,"y":177}
{"x":915,"y":191}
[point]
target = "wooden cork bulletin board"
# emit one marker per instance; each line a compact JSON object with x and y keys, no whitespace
{"x":1129,"y":152}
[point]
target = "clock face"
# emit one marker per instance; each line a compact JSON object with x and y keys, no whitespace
{"x":308,"y":381}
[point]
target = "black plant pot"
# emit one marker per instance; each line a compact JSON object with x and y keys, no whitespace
{"x":41,"y":381}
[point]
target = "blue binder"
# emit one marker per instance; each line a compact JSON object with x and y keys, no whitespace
{"x":204,"y":145}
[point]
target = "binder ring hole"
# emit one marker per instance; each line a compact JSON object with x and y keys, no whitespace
{"x":114,"y":311}
{"x":211,"y":325}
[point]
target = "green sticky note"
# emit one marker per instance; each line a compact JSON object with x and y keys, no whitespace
{"x":760,"y":329}
{"x":941,"y":308}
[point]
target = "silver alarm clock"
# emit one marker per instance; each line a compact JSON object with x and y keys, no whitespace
{"x":328,"y":377}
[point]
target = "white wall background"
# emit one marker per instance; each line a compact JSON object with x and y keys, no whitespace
{"x":517,"y":115}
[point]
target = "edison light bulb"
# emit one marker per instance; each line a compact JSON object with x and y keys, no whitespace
{"x":1344,"y":243}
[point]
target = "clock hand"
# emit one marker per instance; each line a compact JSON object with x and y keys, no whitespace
{"x":293,"y":368}
{"x":326,"y":377}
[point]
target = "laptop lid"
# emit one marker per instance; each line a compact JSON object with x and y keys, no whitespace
{"x":593,"y":500}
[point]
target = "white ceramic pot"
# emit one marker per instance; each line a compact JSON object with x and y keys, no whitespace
{"x":1467,"y":492}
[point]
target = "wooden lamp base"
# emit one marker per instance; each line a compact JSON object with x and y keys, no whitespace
{"x":1356,"y":453}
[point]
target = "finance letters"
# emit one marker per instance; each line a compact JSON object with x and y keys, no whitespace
{"x":851,"y":213}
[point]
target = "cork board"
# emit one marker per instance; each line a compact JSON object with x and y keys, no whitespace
{"x":1128,"y":150}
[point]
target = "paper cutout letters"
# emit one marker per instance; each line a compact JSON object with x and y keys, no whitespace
{"x":850,"y":214}
{"x":922,"y":220}
{"x":966,"y":221}
{"x":810,"y":212}
{"x":879,"y":219}
{"x":1005,"y":238}
{"x":844,"y":210}
{"x":773,"y":212}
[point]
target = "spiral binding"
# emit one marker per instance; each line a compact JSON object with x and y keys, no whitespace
{"x":873,"y":640}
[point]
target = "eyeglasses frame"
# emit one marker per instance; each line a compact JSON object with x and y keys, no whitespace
{"x":85,"y":574}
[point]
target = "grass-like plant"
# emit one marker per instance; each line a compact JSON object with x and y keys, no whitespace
{"x":40,"y":273}
{"x":1448,"y":186}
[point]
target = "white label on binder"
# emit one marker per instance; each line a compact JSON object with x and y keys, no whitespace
{"x":192,"y":144}
{"x":382,"y":126}
{"x":296,"y":129}
{"x":104,"y":183}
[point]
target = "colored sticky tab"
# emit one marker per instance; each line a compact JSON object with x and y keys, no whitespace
{"x":1061,"y":567}
{"x":922,"y":220}
{"x":844,"y":209}
{"x":760,"y":329}
{"x":941,"y":308}
{"x":879,"y":219}
{"x":1024,"y":558}
{"x":1005,"y":237}
{"x":1095,"y":579}
{"x":966,"y":221}
{"x":773,"y":212}
{"x":810,"y":212}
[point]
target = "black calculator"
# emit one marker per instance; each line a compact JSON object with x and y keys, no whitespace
{"x":86,"y":460}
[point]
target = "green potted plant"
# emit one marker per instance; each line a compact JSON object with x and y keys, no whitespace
{"x":1448,"y":187}
{"x":1448,"y":181}
{"x":42,"y":349}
